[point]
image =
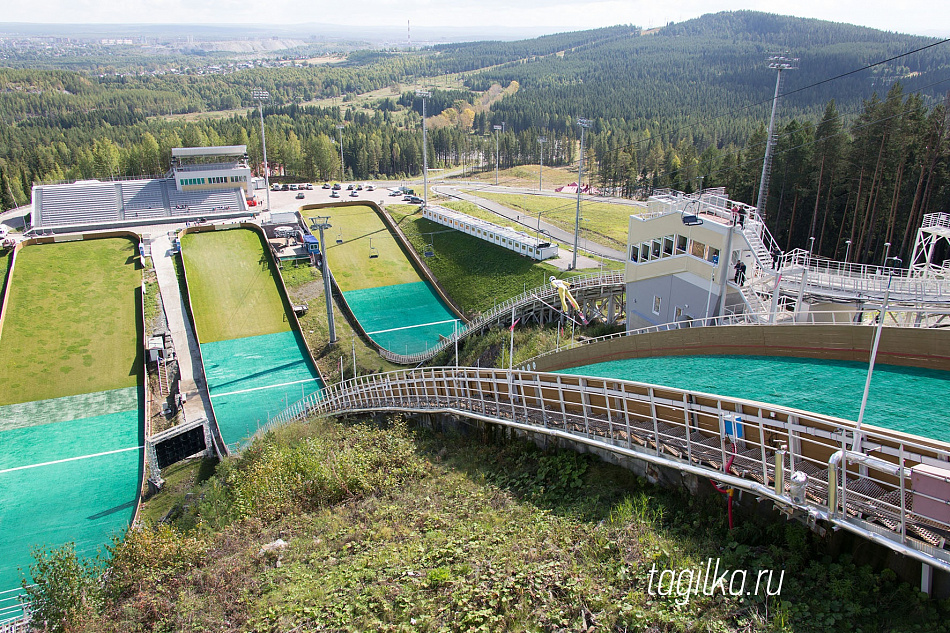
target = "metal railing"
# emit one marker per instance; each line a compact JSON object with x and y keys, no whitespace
{"x":526,"y":299}
{"x":863,"y":486}
{"x":863,"y":280}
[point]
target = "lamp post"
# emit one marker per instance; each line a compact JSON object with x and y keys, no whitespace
{"x":584,"y":123}
{"x":887,"y":251}
{"x":847,"y":251}
{"x":261,"y":96}
{"x":497,"y":128}
{"x":811,"y":246}
{"x":322,"y":223}
{"x":777,"y":63}
{"x":541,"y":141}
{"x":855,"y":445}
{"x":342,"y":167}
{"x":425,"y":156}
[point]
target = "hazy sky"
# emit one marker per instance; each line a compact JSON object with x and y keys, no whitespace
{"x":905,"y":16}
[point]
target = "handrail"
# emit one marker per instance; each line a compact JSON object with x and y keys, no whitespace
{"x":869,"y":281}
{"x":693,"y":432}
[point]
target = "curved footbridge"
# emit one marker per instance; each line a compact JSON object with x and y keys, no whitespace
{"x":801,"y":461}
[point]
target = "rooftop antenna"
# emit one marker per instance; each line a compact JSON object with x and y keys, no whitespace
{"x":778,"y":63}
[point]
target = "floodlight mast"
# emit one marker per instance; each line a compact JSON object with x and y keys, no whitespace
{"x":261,"y":96}
{"x":342,"y":166}
{"x":541,"y":141}
{"x":496,"y":128}
{"x":321,"y":223}
{"x":425,"y":157}
{"x":584,"y":123}
{"x":778,"y":63}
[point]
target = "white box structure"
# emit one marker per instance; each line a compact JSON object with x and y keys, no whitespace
{"x":517,"y":241}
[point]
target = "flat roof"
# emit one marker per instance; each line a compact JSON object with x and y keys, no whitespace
{"x":485,"y":225}
{"x":220,"y":150}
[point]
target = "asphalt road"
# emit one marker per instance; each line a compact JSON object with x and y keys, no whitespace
{"x":529,"y":222}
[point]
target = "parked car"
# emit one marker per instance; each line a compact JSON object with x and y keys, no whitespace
{"x":300,"y":196}
{"x":309,"y":186}
{"x":359,"y":187}
{"x":354,"y":194}
{"x":326,"y":185}
{"x":349,"y":187}
{"x":337,"y":186}
{"x":275,"y":187}
{"x":416,"y":200}
{"x":334,"y":194}
{"x":293,"y":187}
{"x":284,"y":187}
{"x":370,"y":188}
{"x":393,"y":194}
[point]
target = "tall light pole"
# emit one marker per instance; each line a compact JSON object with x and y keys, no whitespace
{"x":322,"y":223}
{"x":541,"y":141}
{"x":847,"y":251}
{"x":779,"y":63}
{"x":496,"y":128}
{"x":584,"y":123}
{"x":342,"y":166}
{"x":855,"y":445}
{"x":261,"y":96}
{"x":425,"y":156}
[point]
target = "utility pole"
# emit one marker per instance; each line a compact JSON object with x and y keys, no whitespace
{"x":261,"y":96}
{"x":425,"y":159}
{"x":541,"y":141}
{"x":584,"y":123}
{"x":322,"y":223}
{"x":778,"y":63}
{"x":342,"y":167}
{"x":496,"y":128}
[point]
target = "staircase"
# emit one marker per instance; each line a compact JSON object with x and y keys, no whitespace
{"x":758,"y":309}
{"x":759,"y":250}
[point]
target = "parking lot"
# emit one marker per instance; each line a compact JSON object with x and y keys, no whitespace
{"x":289,"y":201}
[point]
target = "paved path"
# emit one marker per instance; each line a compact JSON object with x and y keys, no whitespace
{"x":192,"y":384}
{"x":530,"y":223}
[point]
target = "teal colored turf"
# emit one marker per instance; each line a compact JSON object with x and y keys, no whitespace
{"x":905,"y":399}
{"x":63,"y":440}
{"x":86,"y":501}
{"x":253,"y":378}
{"x":399,"y":306}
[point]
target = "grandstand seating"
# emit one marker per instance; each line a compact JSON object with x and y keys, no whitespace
{"x":94,"y":203}
{"x":80,"y":204}
{"x":143,"y":199}
{"x":213,"y":202}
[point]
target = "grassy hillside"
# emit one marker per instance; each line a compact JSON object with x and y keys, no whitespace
{"x":352,"y":267}
{"x":393,"y":530}
{"x":232,"y":285}
{"x":72,"y":317}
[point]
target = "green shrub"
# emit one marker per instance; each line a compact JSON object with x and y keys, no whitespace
{"x":65,"y":592}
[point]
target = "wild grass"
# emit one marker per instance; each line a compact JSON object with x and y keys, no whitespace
{"x":387,"y":529}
